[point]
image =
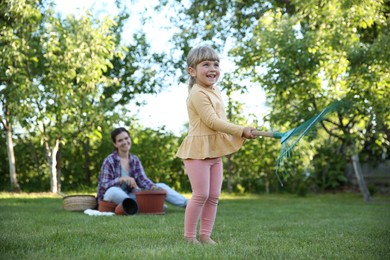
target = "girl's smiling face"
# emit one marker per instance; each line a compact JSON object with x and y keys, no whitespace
{"x":206,"y":73}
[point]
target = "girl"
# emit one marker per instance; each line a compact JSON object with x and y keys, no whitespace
{"x":210,"y":137}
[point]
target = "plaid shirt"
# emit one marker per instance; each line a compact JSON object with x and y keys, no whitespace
{"x":111,"y":172}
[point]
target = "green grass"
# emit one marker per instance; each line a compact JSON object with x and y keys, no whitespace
{"x":332,"y":226}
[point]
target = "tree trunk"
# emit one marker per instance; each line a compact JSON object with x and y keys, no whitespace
{"x":35,"y":159}
{"x":11,"y":158}
{"x":230,"y":173}
{"x":359,"y":174}
{"x":58,"y":166}
{"x":51,"y":157}
{"x":267,"y":177}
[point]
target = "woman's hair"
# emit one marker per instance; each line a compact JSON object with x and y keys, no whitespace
{"x":116,"y":132}
{"x":197,"y":55}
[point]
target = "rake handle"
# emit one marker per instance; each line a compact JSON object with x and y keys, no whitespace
{"x":267,"y":134}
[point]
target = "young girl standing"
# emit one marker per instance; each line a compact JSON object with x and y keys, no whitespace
{"x":210,"y":137}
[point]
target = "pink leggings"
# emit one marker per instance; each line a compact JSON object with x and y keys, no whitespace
{"x":206,"y":182}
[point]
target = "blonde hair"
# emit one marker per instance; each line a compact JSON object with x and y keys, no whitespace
{"x":196,"y":56}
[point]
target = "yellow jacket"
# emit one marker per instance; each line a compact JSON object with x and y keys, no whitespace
{"x":210,"y":134}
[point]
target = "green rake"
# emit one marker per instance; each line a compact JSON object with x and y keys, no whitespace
{"x":291,"y":138}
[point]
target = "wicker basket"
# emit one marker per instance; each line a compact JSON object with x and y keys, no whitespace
{"x":150,"y":201}
{"x":79,"y":202}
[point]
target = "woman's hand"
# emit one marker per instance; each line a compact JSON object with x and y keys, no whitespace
{"x":248,"y":133}
{"x":130,"y":181}
{"x":154,"y":187}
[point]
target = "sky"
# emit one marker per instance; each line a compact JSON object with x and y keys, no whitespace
{"x":168,"y":107}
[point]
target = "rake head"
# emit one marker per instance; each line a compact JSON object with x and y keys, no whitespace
{"x":291,"y":138}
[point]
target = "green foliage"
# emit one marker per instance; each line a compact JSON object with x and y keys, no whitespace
{"x":18,"y":65}
{"x":305,"y":54}
{"x":135,"y":71}
{"x":307,"y":129}
{"x":60,"y":79}
{"x":69,"y":80}
{"x":31,"y":165}
{"x":4,"y":178}
{"x":157,"y":152}
{"x":328,"y":169}
{"x":253,"y":170}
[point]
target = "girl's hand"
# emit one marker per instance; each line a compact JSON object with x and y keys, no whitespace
{"x":248,"y":133}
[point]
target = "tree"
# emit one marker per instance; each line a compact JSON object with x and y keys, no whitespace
{"x":71,"y":82}
{"x":311,"y":59}
{"x":70,"y":57}
{"x":75,"y":52}
{"x":18,"y":63}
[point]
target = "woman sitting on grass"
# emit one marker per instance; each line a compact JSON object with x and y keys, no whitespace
{"x":122,"y":173}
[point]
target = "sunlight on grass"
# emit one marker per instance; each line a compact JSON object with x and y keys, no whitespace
{"x":7,"y":195}
{"x":327,"y":226}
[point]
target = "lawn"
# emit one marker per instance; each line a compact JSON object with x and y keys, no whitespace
{"x":330,"y":226}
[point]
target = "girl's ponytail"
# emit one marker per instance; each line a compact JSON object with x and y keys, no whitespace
{"x":191,"y":82}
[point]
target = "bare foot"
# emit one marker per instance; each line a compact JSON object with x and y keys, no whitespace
{"x":192,"y":240}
